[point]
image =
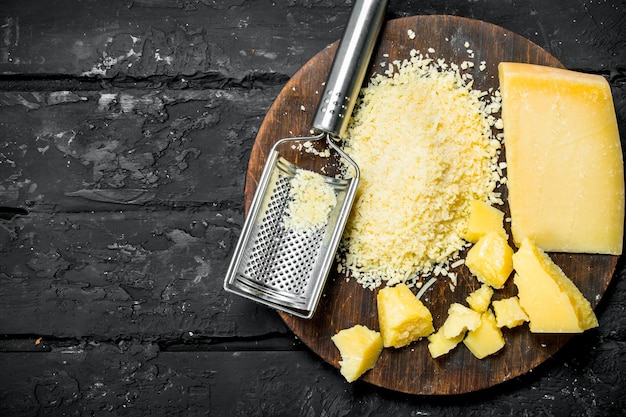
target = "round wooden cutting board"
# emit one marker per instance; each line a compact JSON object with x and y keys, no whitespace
{"x":344,"y":302}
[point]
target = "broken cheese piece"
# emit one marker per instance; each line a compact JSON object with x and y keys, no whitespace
{"x":460,"y":319}
{"x":484,"y":218}
{"x":360,"y":348}
{"x":551,"y":300}
{"x":490,"y":260}
{"x":509,"y":313}
{"x":485,"y":340}
{"x":402,"y":317}
{"x":480,"y":299}
{"x":439,"y":345}
{"x":564,"y":160}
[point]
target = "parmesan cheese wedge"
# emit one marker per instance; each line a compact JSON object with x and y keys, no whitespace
{"x":551,"y":300}
{"x":564,"y":159}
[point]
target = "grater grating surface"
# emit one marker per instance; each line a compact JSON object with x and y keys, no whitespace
{"x":279,"y":266}
{"x":280,"y":258}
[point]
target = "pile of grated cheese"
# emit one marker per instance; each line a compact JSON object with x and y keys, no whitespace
{"x":422,"y":137}
{"x":311,"y":201}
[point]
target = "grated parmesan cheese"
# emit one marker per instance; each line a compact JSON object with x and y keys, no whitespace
{"x":311,"y":201}
{"x":423,"y":141}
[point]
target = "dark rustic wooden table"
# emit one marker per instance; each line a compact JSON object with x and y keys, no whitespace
{"x":125,"y":132}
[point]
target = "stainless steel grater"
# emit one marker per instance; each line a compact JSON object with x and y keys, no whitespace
{"x":276,"y":265}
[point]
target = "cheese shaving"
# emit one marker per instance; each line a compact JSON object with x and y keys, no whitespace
{"x":422,"y":138}
{"x":311,"y":201}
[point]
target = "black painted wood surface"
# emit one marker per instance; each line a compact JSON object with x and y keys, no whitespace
{"x":125,"y":132}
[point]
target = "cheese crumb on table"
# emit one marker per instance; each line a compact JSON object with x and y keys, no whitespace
{"x":422,"y":138}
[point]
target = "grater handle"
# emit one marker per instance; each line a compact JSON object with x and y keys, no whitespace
{"x":349,"y":66}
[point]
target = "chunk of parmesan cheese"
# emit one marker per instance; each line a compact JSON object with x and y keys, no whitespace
{"x":422,"y":138}
{"x":564,"y":159}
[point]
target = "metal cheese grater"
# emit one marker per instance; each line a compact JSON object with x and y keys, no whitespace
{"x":276,"y":265}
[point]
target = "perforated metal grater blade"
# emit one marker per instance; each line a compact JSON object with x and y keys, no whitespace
{"x":279,"y":266}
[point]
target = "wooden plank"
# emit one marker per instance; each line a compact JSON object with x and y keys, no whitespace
{"x":138,"y":379}
{"x":70,"y":151}
{"x":109,"y":275}
{"x":239,"y":40}
{"x":224,"y":41}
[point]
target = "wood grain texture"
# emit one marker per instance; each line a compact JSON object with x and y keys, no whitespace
{"x":344,"y":302}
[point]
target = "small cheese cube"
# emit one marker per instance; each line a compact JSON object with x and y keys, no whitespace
{"x":439,"y":345}
{"x":483,"y":219}
{"x":565,"y":170}
{"x":552,"y":301}
{"x":486,"y":339}
{"x":490,"y":260}
{"x":509,"y":313}
{"x":402,"y":317}
{"x":360,"y":348}
{"x":480,"y":299}
{"x":459,"y":320}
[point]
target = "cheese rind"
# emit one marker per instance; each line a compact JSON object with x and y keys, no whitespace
{"x":551,"y":300}
{"x":564,"y":159}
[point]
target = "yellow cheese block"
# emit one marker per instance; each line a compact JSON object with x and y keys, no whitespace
{"x":402,"y":317}
{"x":551,"y":300}
{"x":490,"y":260}
{"x":564,"y":159}
{"x":480,"y":299}
{"x":439,"y":345}
{"x":360,"y":348}
{"x":459,"y":320}
{"x":509,"y":313}
{"x":484,"y":218}
{"x":486,"y":339}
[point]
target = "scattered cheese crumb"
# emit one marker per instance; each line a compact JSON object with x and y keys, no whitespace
{"x":425,"y":287}
{"x":411,"y":34}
